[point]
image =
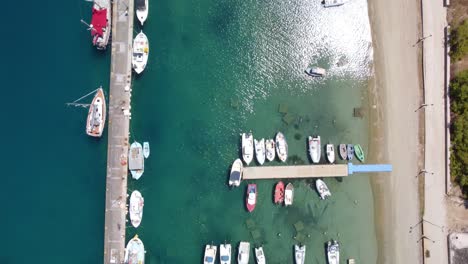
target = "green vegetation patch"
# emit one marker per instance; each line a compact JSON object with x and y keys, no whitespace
{"x":459,"y":41}
{"x":459,"y":130}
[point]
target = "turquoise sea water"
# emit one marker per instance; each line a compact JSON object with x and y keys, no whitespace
{"x":216,"y":69}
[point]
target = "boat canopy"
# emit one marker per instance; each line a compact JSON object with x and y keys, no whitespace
{"x":235,"y":176}
{"x":209,"y":259}
{"x":99,"y":21}
{"x":224,"y":258}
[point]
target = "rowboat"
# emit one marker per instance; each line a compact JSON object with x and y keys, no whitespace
{"x":350,"y":151}
{"x":289,"y":194}
{"x":343,"y":151}
{"x":359,"y":152}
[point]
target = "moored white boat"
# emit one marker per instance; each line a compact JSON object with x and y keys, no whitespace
{"x":281,"y":147}
{"x":210,"y":254}
{"x":322,"y":189}
{"x":136,"y":161}
{"x":333,"y":252}
{"x":260,"y":150}
{"x":141,"y":10}
{"x":244,"y":253}
{"x":289,"y":194}
{"x":136,"y":208}
{"x":225,"y":253}
{"x":140,"y":52}
{"x":316,"y":71}
{"x":96,"y":120}
{"x":299,"y":254}
{"x":247,"y":147}
{"x":101,"y":24}
{"x":260,"y":256}
{"x":135,"y":251}
{"x":146,"y":149}
{"x":235,"y":176}
{"x":314,"y":148}
{"x":270,"y":149}
{"x":330,"y":153}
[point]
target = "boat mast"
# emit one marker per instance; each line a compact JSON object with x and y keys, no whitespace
{"x":75,"y":103}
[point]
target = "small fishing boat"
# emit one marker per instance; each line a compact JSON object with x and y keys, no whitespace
{"x":260,"y":256}
{"x":350,"y":151}
{"x":96,"y":120}
{"x":316,"y":71}
{"x":314,"y":148}
{"x":351,"y":261}
{"x":289,"y":194}
{"x":135,"y":251}
{"x":136,"y":161}
{"x":225,"y":253}
{"x":299,"y":254}
{"x":270,"y":149}
{"x":141,"y":10}
{"x":281,"y":147}
{"x":359,"y":152}
{"x":146,"y":149}
{"x":330,"y":153}
{"x":322,"y":189}
{"x":279,"y":193}
{"x":140,"y":52}
{"x":210,"y":254}
{"x":247,"y":147}
{"x":236,"y":173}
{"x":251,"y":199}
{"x":333,"y":252}
{"x":260,"y":150}
{"x":332,"y":3}
{"x":343,"y":151}
{"x":136,"y":208}
{"x":100,"y":26}
{"x":244,"y":253}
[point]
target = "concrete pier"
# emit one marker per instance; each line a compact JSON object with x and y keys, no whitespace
{"x":118,"y":131}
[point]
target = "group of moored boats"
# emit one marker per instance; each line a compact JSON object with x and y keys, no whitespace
{"x":264,"y":150}
{"x":347,"y":151}
{"x":243,"y":255}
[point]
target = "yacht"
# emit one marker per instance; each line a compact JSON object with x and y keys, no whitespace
{"x":100,"y":26}
{"x":96,"y":115}
{"x":135,"y":251}
{"x":140,"y":52}
{"x":136,"y":161}
{"x":247,"y":147}
{"x":136,"y":208}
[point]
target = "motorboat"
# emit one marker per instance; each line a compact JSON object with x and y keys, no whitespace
{"x":260,"y":255}
{"x":251,"y":198}
{"x":322,"y":189}
{"x":289,"y":194}
{"x":101,"y":24}
{"x":281,"y":147}
{"x":332,"y":3}
{"x":244,"y":253}
{"x":140,"y":52}
{"x":247,"y":147}
{"x":260,"y":150}
{"x":279,"y":193}
{"x":314,"y":148}
{"x":146,"y":149}
{"x":270,"y":149}
{"x":330,"y":153}
{"x":225,"y":253}
{"x":96,"y":120}
{"x":135,"y":251}
{"x":210,"y":254}
{"x":141,"y":10}
{"x":299,"y":254}
{"x":136,"y":208}
{"x":236,"y":173}
{"x":136,"y":161}
{"x":333,"y":252}
{"x":359,"y":152}
{"x":316,"y":71}
{"x":343,"y":152}
{"x":350,"y":151}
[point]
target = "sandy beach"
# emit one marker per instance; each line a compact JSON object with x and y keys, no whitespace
{"x":396,"y":128}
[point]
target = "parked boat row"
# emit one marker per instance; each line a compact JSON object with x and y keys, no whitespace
{"x":347,"y":152}
{"x":263,"y":149}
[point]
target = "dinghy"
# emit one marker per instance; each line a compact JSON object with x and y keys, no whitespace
{"x":322,"y":189}
{"x":210,"y":254}
{"x":270,"y":149}
{"x":225,"y":253}
{"x":330,"y":153}
{"x":236,"y":173}
{"x":247,"y":147}
{"x":359,"y":152}
{"x":281,"y":147}
{"x":299,"y":254}
{"x":260,"y":256}
{"x":260,"y":150}
{"x":289,"y":194}
{"x":343,"y":151}
{"x":146,"y":150}
{"x":136,"y":208}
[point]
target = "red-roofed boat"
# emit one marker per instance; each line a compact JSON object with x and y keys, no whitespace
{"x":279,"y":193}
{"x":101,"y":25}
{"x":251,"y":198}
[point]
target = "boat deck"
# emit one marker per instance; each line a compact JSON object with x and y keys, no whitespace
{"x":118,"y":132}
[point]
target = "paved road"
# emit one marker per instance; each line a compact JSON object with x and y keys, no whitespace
{"x":435,"y":214}
{"x":118,"y":132}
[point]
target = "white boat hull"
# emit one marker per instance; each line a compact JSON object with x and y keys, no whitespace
{"x":235,"y":177}
{"x":314,"y":149}
{"x":225,"y":253}
{"x":281,"y":147}
{"x":247,"y":148}
{"x":260,"y":151}
{"x":299,"y":254}
{"x":140,"y":52}
{"x":96,"y":119}
{"x":135,"y":251}
{"x":146,"y":149}
{"x":136,"y":208}
{"x":244,"y":253}
{"x":330,"y":153}
{"x":270,"y":149}
{"x":142,"y":14}
{"x":289,"y":194}
{"x":136,"y":160}
{"x":333,"y":252}
{"x":322,"y":189}
{"x":260,"y":256}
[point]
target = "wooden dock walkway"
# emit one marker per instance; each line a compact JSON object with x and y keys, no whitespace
{"x":300,"y":171}
{"x":118,"y":131}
